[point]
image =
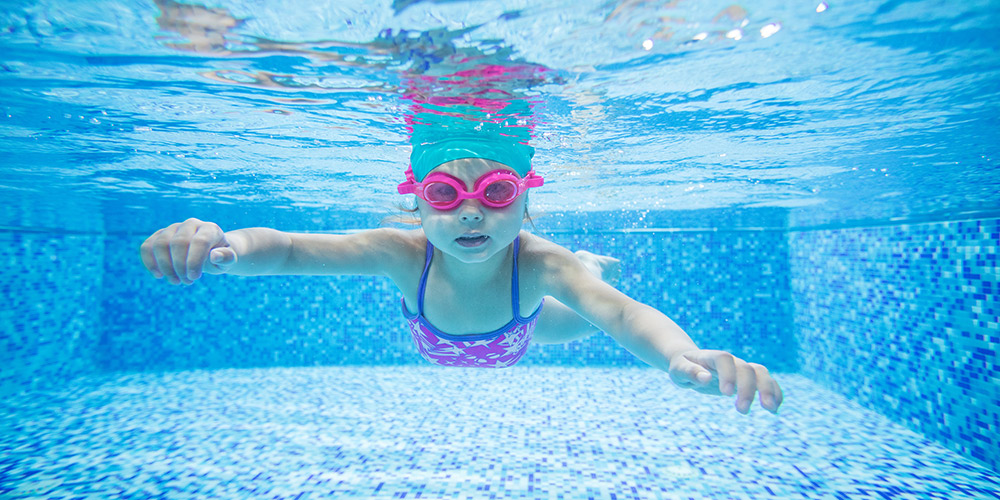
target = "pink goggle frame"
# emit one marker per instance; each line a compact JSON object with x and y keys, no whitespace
{"x":496,"y":189}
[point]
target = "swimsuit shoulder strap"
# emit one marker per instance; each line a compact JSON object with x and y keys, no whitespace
{"x":515,"y":300}
{"x":423,"y":278}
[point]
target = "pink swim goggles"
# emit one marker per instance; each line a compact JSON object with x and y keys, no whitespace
{"x":496,"y":189}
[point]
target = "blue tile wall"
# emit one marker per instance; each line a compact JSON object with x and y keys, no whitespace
{"x":727,"y":289}
{"x":231,"y":321}
{"x":904,"y":319}
{"x":738,"y":304}
{"x":51,"y":313}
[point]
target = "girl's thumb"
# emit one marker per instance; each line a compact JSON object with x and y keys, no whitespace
{"x":222,"y":258}
{"x":686,"y":373}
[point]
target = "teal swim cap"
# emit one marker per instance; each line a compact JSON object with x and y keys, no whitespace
{"x":511,"y":153}
{"x":443,"y":133}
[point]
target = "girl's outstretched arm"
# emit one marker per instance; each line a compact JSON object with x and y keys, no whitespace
{"x":649,"y":334}
{"x":558,"y":324}
{"x":182,"y":252}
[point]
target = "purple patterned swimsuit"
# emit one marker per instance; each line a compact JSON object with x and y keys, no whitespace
{"x":497,"y":349}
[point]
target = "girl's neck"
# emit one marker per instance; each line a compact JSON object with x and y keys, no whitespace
{"x":474,"y":272}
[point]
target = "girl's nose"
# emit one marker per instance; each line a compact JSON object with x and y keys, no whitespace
{"x":470,"y":212}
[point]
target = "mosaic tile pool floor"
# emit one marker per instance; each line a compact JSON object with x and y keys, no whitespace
{"x":438,"y":433}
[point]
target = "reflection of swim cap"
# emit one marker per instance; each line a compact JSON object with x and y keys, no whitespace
{"x":442,"y":133}
{"x":515,"y":155}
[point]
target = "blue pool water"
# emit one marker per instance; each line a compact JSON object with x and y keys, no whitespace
{"x":811,"y":186}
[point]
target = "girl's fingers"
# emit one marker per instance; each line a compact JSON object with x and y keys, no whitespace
{"x":179,"y":249}
{"x":201,"y":243}
{"x":736,"y":377}
{"x":147,"y":256}
{"x":161,"y":254}
{"x":725,"y":365}
{"x":179,"y":252}
{"x":746,"y":387}
{"x":777,"y":396}
{"x":767,"y":387}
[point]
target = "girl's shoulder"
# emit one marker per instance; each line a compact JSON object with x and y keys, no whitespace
{"x":539,"y":254}
{"x":405,"y":247}
{"x":555,"y":269}
{"x":410,"y":239}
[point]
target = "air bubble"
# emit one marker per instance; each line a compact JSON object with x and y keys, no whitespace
{"x":770,"y":29}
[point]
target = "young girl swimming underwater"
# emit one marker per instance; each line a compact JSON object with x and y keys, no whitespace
{"x":472,"y":256}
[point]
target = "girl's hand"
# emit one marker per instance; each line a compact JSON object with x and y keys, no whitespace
{"x":182,"y":251}
{"x":721,"y":373}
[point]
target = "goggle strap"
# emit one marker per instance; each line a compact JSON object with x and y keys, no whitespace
{"x":410,"y":185}
{"x":532,"y":180}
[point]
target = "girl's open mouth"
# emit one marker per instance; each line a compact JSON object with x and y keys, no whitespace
{"x":472,"y":241}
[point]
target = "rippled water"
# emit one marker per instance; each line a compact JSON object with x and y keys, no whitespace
{"x":120,"y":116}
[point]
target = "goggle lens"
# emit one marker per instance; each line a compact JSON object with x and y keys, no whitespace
{"x":440,"y":193}
{"x":501,"y":191}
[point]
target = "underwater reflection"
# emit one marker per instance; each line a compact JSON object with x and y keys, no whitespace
{"x":434,"y":53}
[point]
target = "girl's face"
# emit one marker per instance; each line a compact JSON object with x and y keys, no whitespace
{"x":471,"y":232}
